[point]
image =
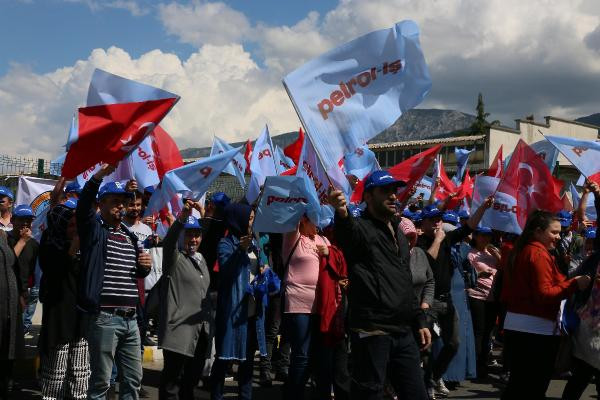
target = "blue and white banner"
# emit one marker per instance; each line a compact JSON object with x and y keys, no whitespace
{"x":424,"y":188}
{"x":284,"y":201}
{"x":282,"y":162}
{"x":503,"y":214}
{"x":35,"y":192}
{"x":583,"y":154}
{"x":262,"y":164}
{"x":353,"y":92}
{"x":462,"y":159}
{"x":191,"y":181}
{"x":361,"y":162}
{"x":237,"y":166}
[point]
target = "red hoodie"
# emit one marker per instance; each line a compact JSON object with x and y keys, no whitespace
{"x":329,"y":296}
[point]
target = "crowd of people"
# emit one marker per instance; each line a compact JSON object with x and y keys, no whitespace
{"x":394,"y":299}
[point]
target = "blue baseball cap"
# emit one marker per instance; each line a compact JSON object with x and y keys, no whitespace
{"x":71,"y":203}
{"x":418,"y":216}
{"x":450,"y":217}
{"x":192,"y":223}
{"x":149,"y":189}
{"x":483,"y":230}
{"x":565,"y":218}
{"x":220,"y":199}
{"x":408,"y":214}
{"x":4,"y":191}
{"x":382,"y":178}
{"x":23,"y":211}
{"x":73,"y":187}
{"x":463,"y":214}
{"x":590,"y":233}
{"x":431,"y":211}
{"x":113,"y":188}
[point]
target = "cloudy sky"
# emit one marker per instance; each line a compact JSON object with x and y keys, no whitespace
{"x":226,"y":59}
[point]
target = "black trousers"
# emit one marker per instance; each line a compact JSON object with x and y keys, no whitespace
{"x":181,"y":373}
{"x":278,"y":356}
{"x":483,"y":314}
{"x":532,"y":360}
{"x":6,"y":369}
{"x":445,"y":315}
{"x":394,"y":356}
{"x":582,"y":373}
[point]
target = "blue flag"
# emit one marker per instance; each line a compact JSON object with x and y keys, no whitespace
{"x":191,"y":181}
{"x":361,"y":162}
{"x":282,"y":162}
{"x":353,"y":92}
{"x":544,"y":149}
{"x":237,"y":166}
{"x":262,"y":164}
{"x":462,"y":159}
{"x":284,"y":201}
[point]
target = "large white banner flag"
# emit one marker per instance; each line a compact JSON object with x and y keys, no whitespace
{"x":503,"y":214}
{"x":353,"y":92}
{"x":262,"y":164}
{"x":35,"y":192}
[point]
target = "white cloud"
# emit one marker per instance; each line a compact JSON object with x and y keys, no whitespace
{"x":134,"y":7}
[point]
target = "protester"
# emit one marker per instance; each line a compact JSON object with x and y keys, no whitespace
{"x":240,"y":318}
{"x":73,"y":190}
{"x":383,"y":306}
{"x":26,"y":249}
{"x":65,"y":368}
{"x":11,"y":326}
{"x":438,"y":246}
{"x":533,"y":288}
{"x":484,"y":259}
{"x":109,"y":292}
{"x":6,"y":203}
{"x":303,"y":248}
{"x":185,"y":311}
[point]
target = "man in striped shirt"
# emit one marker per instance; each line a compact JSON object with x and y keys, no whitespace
{"x":110,"y":265}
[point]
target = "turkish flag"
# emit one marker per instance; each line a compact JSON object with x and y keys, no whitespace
{"x":107,"y":133}
{"x":410,"y":171}
{"x":446,"y":186}
{"x":166,"y":152}
{"x":497,"y":166}
{"x":293,"y":150}
{"x":248,"y":155}
{"x":528,"y":179}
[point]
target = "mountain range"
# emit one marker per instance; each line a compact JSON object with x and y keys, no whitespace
{"x":417,"y":124}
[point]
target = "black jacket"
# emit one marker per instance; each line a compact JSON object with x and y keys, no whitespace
{"x":381,"y":296}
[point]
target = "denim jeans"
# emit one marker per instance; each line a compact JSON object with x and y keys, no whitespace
{"x":395,"y":356}
{"x":32,"y":300}
{"x":112,"y":338}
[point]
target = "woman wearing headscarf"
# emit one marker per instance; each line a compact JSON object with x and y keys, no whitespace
{"x":240,"y":316}
{"x":64,"y":356}
{"x":185,"y":308}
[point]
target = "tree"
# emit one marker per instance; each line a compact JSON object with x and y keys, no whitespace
{"x":481,"y":124}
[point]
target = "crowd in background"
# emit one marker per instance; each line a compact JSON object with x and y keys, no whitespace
{"x":397,"y":300}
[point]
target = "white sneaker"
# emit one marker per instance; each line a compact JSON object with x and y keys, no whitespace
{"x":440,"y":388}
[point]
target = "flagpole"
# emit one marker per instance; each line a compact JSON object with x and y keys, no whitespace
{"x":307,"y":133}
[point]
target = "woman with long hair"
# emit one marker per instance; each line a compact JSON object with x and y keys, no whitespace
{"x":532,"y":290}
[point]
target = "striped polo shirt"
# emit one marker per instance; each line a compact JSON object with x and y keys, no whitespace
{"x":119,"y":288}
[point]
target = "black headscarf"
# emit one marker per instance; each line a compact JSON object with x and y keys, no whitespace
{"x":58,"y":220}
{"x":237,"y":216}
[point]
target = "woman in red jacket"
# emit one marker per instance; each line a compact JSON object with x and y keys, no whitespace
{"x":533,"y":289}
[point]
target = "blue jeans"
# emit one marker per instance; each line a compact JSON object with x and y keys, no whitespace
{"x":32,"y":299}
{"x":111,"y":338}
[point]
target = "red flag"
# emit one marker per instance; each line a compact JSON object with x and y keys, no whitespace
{"x":248,"y":155}
{"x":293,"y":150}
{"x":528,"y":179}
{"x":290,"y":172}
{"x":497,"y":166}
{"x":467,"y":186}
{"x":410,"y":171}
{"x":446,"y":186}
{"x":107,"y":133}
{"x":167,"y":155}
{"x":566,"y":203}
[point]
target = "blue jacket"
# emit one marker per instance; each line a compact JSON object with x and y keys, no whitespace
{"x":232,"y":303}
{"x":93,"y":234}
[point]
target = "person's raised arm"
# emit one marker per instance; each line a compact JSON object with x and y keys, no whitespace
{"x":86,"y":209}
{"x":580,"y":212}
{"x":474,"y":220}
{"x":346,"y":231}
{"x":595,"y":188}
{"x":170,"y":252}
{"x":434,"y":249}
{"x":434,"y":191}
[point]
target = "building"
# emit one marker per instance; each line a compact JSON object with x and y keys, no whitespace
{"x":486,"y":145}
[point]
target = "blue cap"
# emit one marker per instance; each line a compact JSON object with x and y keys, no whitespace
{"x":23,"y":211}
{"x":463,"y":214}
{"x":450,"y":217}
{"x":220,"y":199}
{"x":483,"y":230}
{"x":418,"y":216}
{"x":4,"y":191}
{"x":192,"y":223}
{"x":71,"y":203}
{"x":431,"y":211}
{"x":73,"y":187}
{"x":565,"y":218}
{"x":149,"y":189}
{"x":590,"y":233}
{"x":382,"y":178}
{"x":113,"y":188}
{"x":408,"y":214}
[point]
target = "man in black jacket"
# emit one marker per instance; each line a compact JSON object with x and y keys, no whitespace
{"x":383,"y":308}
